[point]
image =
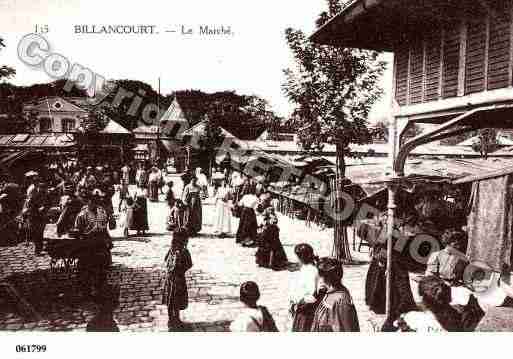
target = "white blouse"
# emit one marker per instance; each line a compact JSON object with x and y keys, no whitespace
{"x":305,"y":284}
{"x":249,"y":201}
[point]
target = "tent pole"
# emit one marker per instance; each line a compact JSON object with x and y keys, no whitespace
{"x":390,"y":236}
{"x":394,"y":144}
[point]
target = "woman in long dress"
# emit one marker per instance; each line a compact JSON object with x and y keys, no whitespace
{"x":401,"y":296}
{"x":140,"y":214}
{"x":304,"y":290}
{"x":247,"y":231}
{"x":175,"y":296}
{"x":153,"y":185}
{"x":270,"y":253}
{"x":170,"y":195}
{"x":223,"y":222}
{"x":336,"y":311}
{"x":141,"y":177}
{"x":191,"y":197}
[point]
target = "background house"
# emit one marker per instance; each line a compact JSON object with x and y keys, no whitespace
{"x":54,"y":114}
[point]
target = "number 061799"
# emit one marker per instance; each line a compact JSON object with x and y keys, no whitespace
{"x":30,"y":348}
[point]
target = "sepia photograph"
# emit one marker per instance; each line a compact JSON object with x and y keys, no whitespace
{"x":237,"y":166}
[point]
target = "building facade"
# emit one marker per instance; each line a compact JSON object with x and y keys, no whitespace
{"x":55,"y":115}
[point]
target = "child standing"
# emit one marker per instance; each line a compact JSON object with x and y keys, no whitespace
{"x":178,"y":262}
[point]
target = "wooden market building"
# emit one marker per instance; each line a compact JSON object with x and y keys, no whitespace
{"x":453,"y":68}
{"x":453,"y":60}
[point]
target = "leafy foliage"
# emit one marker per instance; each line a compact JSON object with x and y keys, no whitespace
{"x":333,"y":89}
{"x":13,"y":97}
{"x":242,"y":115}
{"x":5,"y":71}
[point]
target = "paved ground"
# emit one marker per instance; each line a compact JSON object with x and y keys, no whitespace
{"x":219,"y":268}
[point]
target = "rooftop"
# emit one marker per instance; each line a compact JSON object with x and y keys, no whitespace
{"x":381,"y":24}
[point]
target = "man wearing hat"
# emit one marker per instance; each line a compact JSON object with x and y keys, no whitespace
{"x":92,"y":225}
{"x":34,"y":213}
{"x":32,"y":178}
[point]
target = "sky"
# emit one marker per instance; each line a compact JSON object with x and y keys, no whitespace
{"x":250,"y":61}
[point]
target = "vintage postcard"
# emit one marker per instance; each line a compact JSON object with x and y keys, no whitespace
{"x":240,"y":166}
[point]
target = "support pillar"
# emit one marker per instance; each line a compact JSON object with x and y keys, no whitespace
{"x":392,"y":190}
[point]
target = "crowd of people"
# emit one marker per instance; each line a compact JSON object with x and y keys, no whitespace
{"x":79,"y":200}
{"x":318,"y":301}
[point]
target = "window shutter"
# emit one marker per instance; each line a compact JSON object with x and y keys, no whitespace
{"x":451,"y":61}
{"x":475,"y":57}
{"x":499,"y":50}
{"x":433,"y":53}
{"x":416,"y":72}
{"x":401,"y":84}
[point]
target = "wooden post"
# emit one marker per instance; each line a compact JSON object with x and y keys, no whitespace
{"x":390,"y":234}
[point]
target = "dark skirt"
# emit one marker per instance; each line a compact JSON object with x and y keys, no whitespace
{"x":175,"y":294}
{"x":123,"y":192}
{"x":375,"y":290}
{"x":270,"y":253}
{"x":153,"y":191}
{"x":303,"y":318}
{"x":247,"y":225}
{"x":140,"y":216}
{"x":193,"y":213}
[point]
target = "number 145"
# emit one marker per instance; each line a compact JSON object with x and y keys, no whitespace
{"x":42,"y":29}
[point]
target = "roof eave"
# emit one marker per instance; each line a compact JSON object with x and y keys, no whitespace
{"x":325,"y":35}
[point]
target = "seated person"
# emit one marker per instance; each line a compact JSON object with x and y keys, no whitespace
{"x":435,"y":314}
{"x":445,"y":263}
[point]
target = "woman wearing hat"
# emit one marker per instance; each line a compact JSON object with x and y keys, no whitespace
{"x":253,"y":317}
{"x":336,"y":311}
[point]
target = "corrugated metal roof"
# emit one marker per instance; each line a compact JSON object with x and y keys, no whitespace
{"x":447,"y":169}
{"x":37,"y":141}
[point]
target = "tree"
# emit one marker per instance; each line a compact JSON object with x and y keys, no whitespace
{"x":5,"y":71}
{"x":333,"y":90}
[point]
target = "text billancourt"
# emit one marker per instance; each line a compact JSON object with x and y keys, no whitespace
{"x":115,"y":29}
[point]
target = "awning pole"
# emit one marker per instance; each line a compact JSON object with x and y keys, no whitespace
{"x":390,"y":236}
{"x":394,"y":139}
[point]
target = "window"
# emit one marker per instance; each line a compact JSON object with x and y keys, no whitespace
{"x":68,"y":125}
{"x":45,"y":125}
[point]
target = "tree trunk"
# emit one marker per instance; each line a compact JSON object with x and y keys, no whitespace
{"x":341,"y":249}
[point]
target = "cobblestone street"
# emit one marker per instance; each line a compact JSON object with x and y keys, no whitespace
{"x":220,"y":266}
